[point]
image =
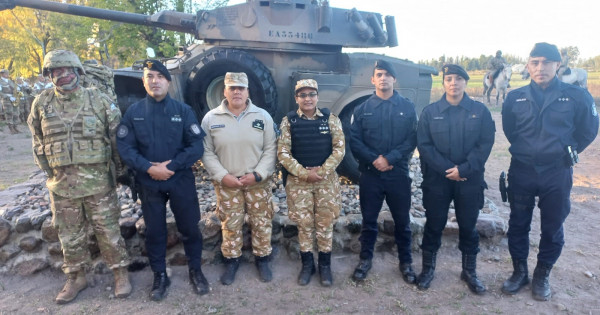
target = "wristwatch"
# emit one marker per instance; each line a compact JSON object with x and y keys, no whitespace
{"x":257,"y":177}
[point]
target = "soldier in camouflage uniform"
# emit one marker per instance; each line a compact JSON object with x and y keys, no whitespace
{"x":25,"y":98}
{"x":74,"y":142}
{"x":240,"y":153}
{"x":10,"y":102}
{"x":310,"y":148}
{"x":496,"y":65}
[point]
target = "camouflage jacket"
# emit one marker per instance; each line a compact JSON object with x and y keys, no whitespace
{"x":284,"y":147}
{"x":8,"y":88}
{"x":73,"y":179}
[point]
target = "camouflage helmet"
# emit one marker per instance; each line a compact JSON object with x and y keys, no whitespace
{"x":499,"y":53}
{"x":61,"y":58}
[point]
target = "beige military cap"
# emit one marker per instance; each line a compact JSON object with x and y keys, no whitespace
{"x":236,"y":79}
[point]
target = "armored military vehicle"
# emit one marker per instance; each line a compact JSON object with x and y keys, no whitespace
{"x":276,"y":42}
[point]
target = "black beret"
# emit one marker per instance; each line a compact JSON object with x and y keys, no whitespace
{"x":455,"y":69}
{"x":545,"y":50}
{"x":156,"y":65}
{"x":384,"y":65}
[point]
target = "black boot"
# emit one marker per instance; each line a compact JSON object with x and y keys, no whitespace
{"x":325,"y":269}
{"x":408,"y":274}
{"x":540,"y":282}
{"x":519,"y":278}
{"x":308,"y":268}
{"x":361,"y":271}
{"x":159,"y":286}
{"x":469,"y":274}
{"x":231,"y":267}
{"x":426,"y":276}
{"x":264,"y":270}
{"x":198,"y":281}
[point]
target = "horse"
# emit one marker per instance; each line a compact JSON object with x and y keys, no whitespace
{"x":577,"y":76}
{"x":500,"y":83}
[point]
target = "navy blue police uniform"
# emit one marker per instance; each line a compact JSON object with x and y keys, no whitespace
{"x":449,"y":136}
{"x":387,"y":128}
{"x":540,"y":124}
{"x":153,"y":131}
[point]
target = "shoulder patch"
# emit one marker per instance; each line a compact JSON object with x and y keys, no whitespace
{"x":122,"y":131}
{"x":594,"y":110}
{"x":113,"y":106}
{"x":195,"y":129}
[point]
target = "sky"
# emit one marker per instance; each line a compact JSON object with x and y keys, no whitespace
{"x":431,"y":28}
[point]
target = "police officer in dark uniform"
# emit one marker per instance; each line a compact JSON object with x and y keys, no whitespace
{"x":383,"y":138}
{"x":547,"y":123}
{"x":454,"y":138}
{"x":160,"y":139}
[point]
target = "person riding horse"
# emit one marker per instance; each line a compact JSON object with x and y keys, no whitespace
{"x":496,"y":64}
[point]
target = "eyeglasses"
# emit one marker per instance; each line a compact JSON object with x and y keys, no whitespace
{"x":304,"y":95}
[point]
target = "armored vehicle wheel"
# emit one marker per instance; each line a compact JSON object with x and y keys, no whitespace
{"x":205,"y":83}
{"x":349,"y":166}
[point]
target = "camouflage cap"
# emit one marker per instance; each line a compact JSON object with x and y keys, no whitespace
{"x":156,"y":65}
{"x":236,"y":79}
{"x":306,"y":83}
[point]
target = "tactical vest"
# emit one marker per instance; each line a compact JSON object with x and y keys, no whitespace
{"x":311,"y":139}
{"x":80,"y":140}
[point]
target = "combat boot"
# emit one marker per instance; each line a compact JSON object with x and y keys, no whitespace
{"x":469,"y":274}
{"x":408,"y":273}
{"x":426,"y":276}
{"x":159,"y":286}
{"x":325,"y":269}
{"x":264,"y":270}
{"x":518,"y":279}
{"x":231,"y":267}
{"x":198,"y":281}
{"x":361,"y":271}
{"x":308,"y":268}
{"x":540,"y":282}
{"x":76,"y":282}
{"x":122,"y":284}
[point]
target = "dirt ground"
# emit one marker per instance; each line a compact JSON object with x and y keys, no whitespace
{"x":574,"y":278}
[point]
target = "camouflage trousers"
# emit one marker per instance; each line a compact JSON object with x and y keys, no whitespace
{"x":11,"y":112}
{"x":232,"y":205}
{"x":314,"y":208}
{"x":73,"y":216}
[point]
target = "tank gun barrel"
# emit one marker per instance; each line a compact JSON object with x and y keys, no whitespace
{"x":169,"y":20}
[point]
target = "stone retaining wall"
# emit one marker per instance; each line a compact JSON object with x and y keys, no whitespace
{"x":29,"y":243}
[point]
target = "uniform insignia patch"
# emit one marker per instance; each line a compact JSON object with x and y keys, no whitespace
{"x":176,"y":118}
{"x":258,"y":124}
{"x":122,"y":132}
{"x":217,"y":126}
{"x":113,"y":106}
{"x":195,"y":129}
{"x":594,"y":110}
{"x":521,"y":100}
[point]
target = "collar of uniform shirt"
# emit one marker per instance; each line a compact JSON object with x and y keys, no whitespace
{"x":153,"y":101}
{"x":465,"y":103}
{"x":302,"y":115}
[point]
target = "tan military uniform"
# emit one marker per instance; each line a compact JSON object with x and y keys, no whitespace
{"x":313,"y":206}
{"x":10,"y":101}
{"x":238,"y":146}
{"x":74,"y":143}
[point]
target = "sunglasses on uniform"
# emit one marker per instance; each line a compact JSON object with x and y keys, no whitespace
{"x":304,"y":95}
